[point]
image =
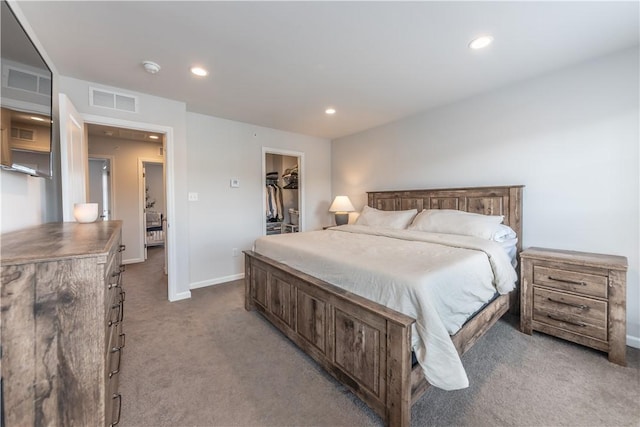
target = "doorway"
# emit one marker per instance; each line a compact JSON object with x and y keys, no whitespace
{"x":101,"y":185}
{"x":153,"y":207}
{"x":283,"y":194}
{"x":69,"y":117}
{"x":128,"y":147}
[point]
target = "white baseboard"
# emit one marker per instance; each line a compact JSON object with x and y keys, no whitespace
{"x":132,"y":260}
{"x":180,"y":296}
{"x":217,"y":281}
{"x":633,"y":341}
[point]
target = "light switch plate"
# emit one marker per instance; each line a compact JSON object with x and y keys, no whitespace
{"x":193,"y":197}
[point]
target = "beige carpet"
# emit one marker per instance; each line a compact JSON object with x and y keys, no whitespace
{"x":207,"y":362}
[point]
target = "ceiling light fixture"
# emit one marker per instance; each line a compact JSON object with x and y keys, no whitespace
{"x":150,"y":67}
{"x":330,"y":111}
{"x":199,"y":71}
{"x":481,"y":42}
{"x":153,"y":137}
{"x":40,"y":119}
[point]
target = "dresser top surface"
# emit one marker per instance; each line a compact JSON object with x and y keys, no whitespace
{"x":585,"y":258}
{"x":57,"y":240}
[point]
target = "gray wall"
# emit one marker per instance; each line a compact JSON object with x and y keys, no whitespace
{"x":571,"y":137}
{"x":225,"y":218}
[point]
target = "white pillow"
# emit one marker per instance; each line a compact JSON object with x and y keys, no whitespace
{"x":459,"y":222}
{"x":504,"y":233}
{"x":389,"y":219}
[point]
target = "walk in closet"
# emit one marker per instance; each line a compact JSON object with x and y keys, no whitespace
{"x":282,"y":193}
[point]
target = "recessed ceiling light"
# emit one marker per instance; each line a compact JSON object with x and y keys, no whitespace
{"x":330,"y":111}
{"x":39,"y":119}
{"x":153,"y":137}
{"x":199,"y":71}
{"x":481,"y":42}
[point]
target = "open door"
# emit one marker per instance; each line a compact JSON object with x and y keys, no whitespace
{"x":153,"y":205}
{"x":73,"y":158}
{"x":100,"y":185}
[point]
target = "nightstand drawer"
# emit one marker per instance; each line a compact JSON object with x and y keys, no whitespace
{"x":573,"y":281}
{"x":584,"y":316}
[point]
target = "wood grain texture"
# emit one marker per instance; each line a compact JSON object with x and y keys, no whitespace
{"x":577,"y":296}
{"x":17,"y":338}
{"x":398,"y":376}
{"x":365,"y":345}
{"x":618,"y":316}
{"x":61,"y":327}
{"x":312,"y":319}
{"x":501,"y":200}
{"x":526,"y":290}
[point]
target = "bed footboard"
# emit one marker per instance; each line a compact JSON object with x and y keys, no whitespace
{"x":364,"y":345}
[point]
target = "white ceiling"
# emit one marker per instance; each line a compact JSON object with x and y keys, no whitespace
{"x":280,"y":64}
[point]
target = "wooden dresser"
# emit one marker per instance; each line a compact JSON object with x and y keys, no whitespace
{"x":61,"y":334}
{"x":576,"y":296}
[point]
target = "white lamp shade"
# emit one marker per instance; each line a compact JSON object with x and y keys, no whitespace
{"x":341,"y":204}
{"x":85,"y":212}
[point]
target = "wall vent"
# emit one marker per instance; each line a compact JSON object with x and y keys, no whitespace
{"x":113,"y":100}
{"x":23,"y":134}
{"x":15,"y":78}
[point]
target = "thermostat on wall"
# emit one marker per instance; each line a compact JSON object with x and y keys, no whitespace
{"x":235,"y":183}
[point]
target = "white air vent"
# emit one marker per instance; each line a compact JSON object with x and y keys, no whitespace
{"x":115,"y":101}
{"x":27,"y":81}
{"x":23,"y":134}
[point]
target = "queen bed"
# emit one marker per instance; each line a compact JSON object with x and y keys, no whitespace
{"x":367,"y":301}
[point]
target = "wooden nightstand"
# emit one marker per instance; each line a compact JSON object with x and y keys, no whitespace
{"x":577,"y":296}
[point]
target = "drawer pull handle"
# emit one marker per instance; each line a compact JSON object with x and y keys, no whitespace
{"x":570,"y":304}
{"x":122,"y":268}
{"x":123,"y":340}
{"x":122,"y":248}
{"x":119,"y":397}
{"x":119,"y":351}
{"x":582,"y":325}
{"x":119,"y":316}
{"x":571,"y":282}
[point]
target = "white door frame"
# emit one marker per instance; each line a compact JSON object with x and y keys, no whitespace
{"x":301,"y":183}
{"x":170,"y":236}
{"x":112,"y":181}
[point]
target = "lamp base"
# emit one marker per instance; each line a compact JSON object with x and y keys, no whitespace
{"x":342,"y":218}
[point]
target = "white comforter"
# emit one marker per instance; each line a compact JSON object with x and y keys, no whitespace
{"x":438,"y":279}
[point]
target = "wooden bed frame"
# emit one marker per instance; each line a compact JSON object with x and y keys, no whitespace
{"x":365,"y":345}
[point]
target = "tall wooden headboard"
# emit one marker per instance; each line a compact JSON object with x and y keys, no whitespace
{"x":506,"y":200}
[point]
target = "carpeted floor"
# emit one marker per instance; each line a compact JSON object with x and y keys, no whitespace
{"x":208,"y":362}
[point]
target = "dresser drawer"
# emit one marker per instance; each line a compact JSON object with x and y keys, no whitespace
{"x":584,"y":316}
{"x":113,"y":403}
{"x":573,"y":281}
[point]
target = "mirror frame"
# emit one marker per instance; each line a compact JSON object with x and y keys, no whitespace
{"x":6,"y":162}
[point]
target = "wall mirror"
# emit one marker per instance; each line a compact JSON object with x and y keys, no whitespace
{"x":25,"y":99}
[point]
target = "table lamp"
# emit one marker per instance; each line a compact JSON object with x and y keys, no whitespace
{"x":341,"y":206}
